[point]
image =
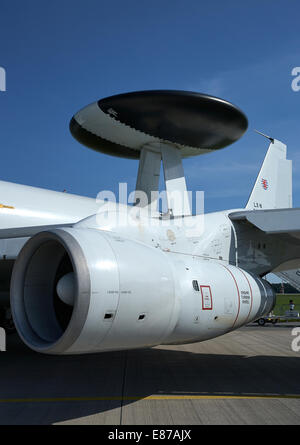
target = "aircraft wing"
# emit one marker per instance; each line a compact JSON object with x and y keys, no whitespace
{"x":274,"y":221}
{"x":24,"y":232}
{"x":291,"y":276}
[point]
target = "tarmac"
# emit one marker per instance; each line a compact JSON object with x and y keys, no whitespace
{"x":247,"y":377}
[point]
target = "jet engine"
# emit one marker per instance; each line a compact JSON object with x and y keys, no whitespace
{"x":77,"y":291}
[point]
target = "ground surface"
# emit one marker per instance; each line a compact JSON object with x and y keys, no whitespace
{"x":251,"y":376}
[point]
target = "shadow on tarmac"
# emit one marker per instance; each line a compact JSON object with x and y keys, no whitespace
{"x":25,"y":374}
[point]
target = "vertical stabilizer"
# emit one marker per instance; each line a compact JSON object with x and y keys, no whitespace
{"x":273,"y":185}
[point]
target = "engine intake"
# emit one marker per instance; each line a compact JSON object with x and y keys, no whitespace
{"x":43,"y":321}
{"x":71,"y":287}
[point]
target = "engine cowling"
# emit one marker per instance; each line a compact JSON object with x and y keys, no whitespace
{"x":216,"y":298}
{"x":83,"y":290}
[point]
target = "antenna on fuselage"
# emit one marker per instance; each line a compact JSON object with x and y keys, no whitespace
{"x":159,"y":126}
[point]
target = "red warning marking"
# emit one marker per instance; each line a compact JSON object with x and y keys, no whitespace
{"x":238,"y":291}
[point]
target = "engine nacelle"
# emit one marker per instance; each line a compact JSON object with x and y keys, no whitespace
{"x":83,"y":290}
{"x":216,"y":298}
{"x":123,"y":293}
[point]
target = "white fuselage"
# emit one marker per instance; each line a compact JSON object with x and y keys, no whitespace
{"x":207,"y":236}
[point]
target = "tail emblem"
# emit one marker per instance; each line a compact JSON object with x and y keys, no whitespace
{"x":265,"y":184}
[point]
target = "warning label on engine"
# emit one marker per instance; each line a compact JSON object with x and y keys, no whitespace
{"x":206,"y":298}
{"x":245,"y":296}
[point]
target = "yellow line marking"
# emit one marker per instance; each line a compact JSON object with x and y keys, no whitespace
{"x":157,"y":397}
{"x":3,"y":206}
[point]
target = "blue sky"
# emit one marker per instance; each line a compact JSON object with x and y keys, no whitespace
{"x":61,"y":55}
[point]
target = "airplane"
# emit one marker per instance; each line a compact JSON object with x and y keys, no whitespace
{"x":81,"y":275}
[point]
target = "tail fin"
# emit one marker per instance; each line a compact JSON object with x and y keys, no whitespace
{"x":273,"y":185}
